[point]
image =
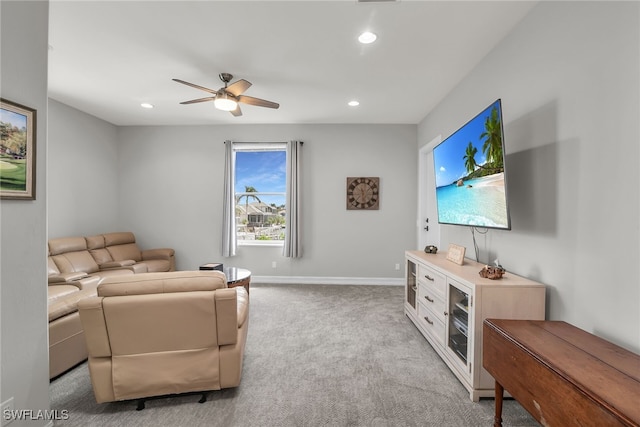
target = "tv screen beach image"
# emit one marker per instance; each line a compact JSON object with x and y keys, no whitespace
{"x":469,"y":173}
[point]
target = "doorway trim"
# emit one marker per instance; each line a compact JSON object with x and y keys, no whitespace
{"x":427,"y":197}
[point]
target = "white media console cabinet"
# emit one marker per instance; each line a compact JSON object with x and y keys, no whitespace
{"x":448,"y":303}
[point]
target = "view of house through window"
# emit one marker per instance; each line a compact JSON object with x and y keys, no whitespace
{"x":260,"y":190}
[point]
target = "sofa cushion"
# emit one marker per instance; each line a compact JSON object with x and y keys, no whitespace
{"x":52,"y":268}
{"x":125,"y":251}
{"x":95,"y":242}
{"x":96,"y":247}
{"x":76,"y":261}
{"x":122,"y":245}
{"x":60,"y":291}
{"x":157,"y":265}
{"x":116,"y":272}
{"x":61,"y":303}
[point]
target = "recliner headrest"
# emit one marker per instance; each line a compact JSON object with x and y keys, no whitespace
{"x":67,"y":244}
{"x":119,"y":238}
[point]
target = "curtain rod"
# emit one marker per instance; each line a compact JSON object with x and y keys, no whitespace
{"x":261,"y":142}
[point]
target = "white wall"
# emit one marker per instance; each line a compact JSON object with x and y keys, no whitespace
{"x":83,"y":188}
{"x":23,"y":278}
{"x":568,"y":79}
{"x":171,"y":182}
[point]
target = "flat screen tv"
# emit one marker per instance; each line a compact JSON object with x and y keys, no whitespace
{"x":470,"y":175}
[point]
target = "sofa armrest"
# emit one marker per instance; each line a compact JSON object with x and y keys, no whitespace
{"x":65,"y":278}
{"x":243,"y":305}
{"x":89,"y":282}
{"x":226,"y":316}
{"x":160,"y":253}
{"x":95,"y":328}
{"x":116,"y":264}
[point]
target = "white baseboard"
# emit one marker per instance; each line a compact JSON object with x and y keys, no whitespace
{"x":312,"y":280}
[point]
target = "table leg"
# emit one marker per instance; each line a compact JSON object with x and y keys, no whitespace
{"x":497,"y":421}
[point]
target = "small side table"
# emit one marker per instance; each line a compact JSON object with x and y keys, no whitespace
{"x":238,"y":277}
{"x":212,"y":266}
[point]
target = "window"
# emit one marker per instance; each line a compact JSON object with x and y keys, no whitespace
{"x":264,"y":173}
{"x":260,"y":193}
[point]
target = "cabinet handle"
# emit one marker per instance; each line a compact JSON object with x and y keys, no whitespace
{"x":446,"y":314}
{"x":415,"y":288}
{"x":429,"y":321}
{"x":427,"y":298}
{"x":426,"y":276}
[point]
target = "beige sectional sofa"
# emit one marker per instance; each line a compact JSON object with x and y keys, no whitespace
{"x":76,"y":266}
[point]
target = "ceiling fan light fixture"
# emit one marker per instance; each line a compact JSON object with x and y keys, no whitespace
{"x":225,"y":102}
{"x":367,"y":37}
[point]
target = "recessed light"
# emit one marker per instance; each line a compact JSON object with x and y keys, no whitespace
{"x":353,"y":103}
{"x":367,"y":37}
{"x":146,"y":105}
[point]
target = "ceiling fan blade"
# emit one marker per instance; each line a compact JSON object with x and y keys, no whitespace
{"x":193,"y":101}
{"x":257,"y":102}
{"x":236,"y":88}
{"x":237,"y":112}
{"x":195,"y":86}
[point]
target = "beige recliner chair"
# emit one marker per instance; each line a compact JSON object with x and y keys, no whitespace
{"x":154,"y":334}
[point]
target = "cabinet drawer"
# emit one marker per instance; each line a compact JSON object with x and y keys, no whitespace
{"x":430,"y":298}
{"x":433,"y":279}
{"x":431,"y":323}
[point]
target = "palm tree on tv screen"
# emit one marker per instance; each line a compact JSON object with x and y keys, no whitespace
{"x":492,"y":147}
{"x":470,"y":158}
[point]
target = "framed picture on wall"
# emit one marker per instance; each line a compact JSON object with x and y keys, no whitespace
{"x":17,"y":151}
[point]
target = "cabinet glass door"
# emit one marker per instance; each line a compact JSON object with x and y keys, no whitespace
{"x":411,"y":284}
{"x":458,"y":326}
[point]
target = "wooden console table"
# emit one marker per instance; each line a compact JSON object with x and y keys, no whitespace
{"x":562,"y":375}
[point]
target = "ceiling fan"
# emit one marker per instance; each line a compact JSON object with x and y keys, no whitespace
{"x":228,"y":97}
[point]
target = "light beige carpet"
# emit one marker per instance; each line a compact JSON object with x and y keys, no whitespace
{"x":317,"y":355}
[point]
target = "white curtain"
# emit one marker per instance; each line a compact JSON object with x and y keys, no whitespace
{"x":293,"y":236}
{"x":229,"y":243}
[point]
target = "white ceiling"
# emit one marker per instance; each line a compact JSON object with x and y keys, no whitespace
{"x":106,"y":58}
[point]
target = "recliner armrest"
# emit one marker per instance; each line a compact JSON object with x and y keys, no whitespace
{"x":226,"y":315}
{"x":95,"y":328}
{"x":116,"y":264}
{"x":243,"y":305}
{"x":66,"y":277}
{"x":159,"y":253}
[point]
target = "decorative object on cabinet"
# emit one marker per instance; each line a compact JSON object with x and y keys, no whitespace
{"x":456,"y":254}
{"x":491,"y":272}
{"x":363,"y":193}
{"x":17,"y":151}
{"x":431,"y":249}
{"x":448,"y":303}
